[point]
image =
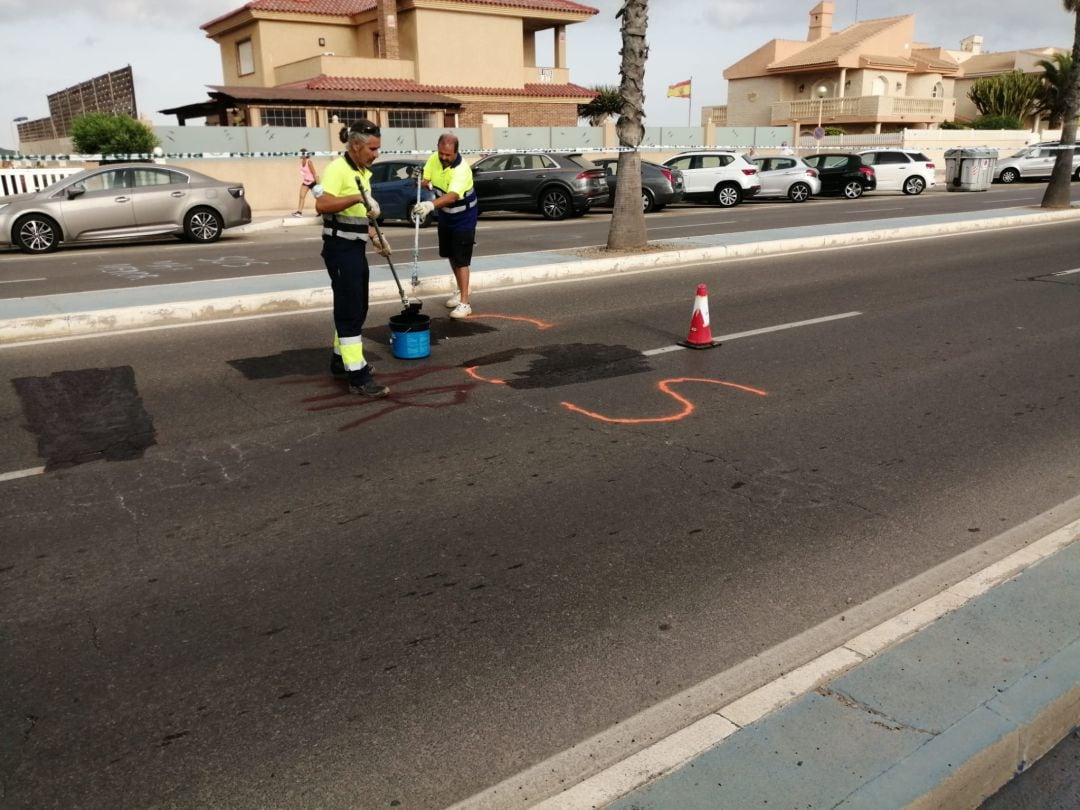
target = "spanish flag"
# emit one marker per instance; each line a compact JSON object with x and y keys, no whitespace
{"x":680,"y":90}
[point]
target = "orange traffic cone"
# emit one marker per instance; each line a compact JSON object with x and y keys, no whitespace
{"x":700,"y":336}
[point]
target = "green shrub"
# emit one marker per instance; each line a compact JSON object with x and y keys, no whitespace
{"x":954,"y":125}
{"x":99,"y":133}
{"x":996,"y":122}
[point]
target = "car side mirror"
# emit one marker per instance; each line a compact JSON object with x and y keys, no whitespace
{"x":76,"y":190}
{"x":477,"y":171}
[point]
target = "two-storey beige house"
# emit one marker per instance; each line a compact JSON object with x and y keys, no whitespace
{"x":870,"y":77}
{"x":402,"y":63}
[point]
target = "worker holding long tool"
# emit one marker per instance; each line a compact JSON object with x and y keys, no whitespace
{"x":346,"y":231}
{"x":450,"y":178}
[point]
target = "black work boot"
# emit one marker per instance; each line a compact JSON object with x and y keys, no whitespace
{"x":369,"y":388}
{"x":337,"y":367}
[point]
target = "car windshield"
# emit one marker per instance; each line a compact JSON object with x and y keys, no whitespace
{"x":1024,"y":153}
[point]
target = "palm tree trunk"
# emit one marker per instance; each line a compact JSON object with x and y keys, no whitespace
{"x":1059,"y":190}
{"x":627,"y":217}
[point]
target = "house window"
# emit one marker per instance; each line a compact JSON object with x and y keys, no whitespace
{"x":346,"y":115}
{"x":938,"y":91}
{"x":284,"y":117}
{"x":245,"y":58}
{"x":405,"y":119}
{"x":881,"y":86}
{"x":497,"y":119}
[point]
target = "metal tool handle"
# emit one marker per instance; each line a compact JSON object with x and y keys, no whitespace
{"x":378,"y":230}
{"x":416,"y":233}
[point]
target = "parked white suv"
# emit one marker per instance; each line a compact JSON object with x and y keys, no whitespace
{"x":726,"y":178}
{"x":900,"y":169}
{"x":1036,"y":160}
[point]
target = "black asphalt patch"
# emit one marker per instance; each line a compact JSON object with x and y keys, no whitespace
{"x":568,"y":364}
{"x":85,"y":415}
{"x":291,"y":363}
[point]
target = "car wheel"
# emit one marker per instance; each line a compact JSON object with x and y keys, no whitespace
{"x":727,"y":195}
{"x":853,"y":189}
{"x":914,"y":185}
{"x":1009,"y":176}
{"x":36,"y":234}
{"x":203,"y":225}
{"x":1076,"y":174}
{"x":647,"y":203}
{"x":799,"y":192}
{"x":555,"y":204}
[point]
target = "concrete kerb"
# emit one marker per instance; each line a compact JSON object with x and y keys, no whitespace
{"x":561,"y":265}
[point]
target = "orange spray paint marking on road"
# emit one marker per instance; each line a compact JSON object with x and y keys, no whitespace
{"x":472,"y":372}
{"x":537,"y":323}
{"x":665,"y":386}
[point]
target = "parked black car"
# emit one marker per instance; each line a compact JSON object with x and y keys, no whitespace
{"x":660,"y":185}
{"x":557,"y":185}
{"x":842,"y":173}
{"x":393,"y":184}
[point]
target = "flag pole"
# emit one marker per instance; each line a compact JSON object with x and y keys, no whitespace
{"x":689,"y":101}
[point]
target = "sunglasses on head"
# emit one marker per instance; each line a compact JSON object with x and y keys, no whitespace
{"x":365,"y":129}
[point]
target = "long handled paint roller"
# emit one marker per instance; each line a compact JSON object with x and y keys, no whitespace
{"x":416,"y":232}
{"x":409,"y":308}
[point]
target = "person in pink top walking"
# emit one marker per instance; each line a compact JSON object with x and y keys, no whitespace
{"x":308,"y":179}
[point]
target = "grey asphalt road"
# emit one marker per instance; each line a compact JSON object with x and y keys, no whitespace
{"x":293,"y":249}
{"x":233,"y":586}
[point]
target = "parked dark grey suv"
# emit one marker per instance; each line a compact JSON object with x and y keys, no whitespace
{"x":660,"y":185}
{"x":555,"y":185}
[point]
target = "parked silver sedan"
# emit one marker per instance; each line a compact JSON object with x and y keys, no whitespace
{"x":787,"y":177}
{"x":123,"y":201}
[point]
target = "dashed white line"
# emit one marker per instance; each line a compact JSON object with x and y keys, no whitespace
{"x":11,"y":476}
{"x":21,"y":280}
{"x":764,"y":330}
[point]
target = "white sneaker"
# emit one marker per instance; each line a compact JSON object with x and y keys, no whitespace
{"x":453,"y":300}
{"x":461,"y":311}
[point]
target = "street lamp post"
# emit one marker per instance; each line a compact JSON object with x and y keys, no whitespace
{"x":820,"y":91}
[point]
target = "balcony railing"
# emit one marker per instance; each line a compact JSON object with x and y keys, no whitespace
{"x":546,"y":75}
{"x":863,"y":108}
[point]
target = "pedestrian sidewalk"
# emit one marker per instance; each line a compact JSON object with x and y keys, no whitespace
{"x":63,"y":315}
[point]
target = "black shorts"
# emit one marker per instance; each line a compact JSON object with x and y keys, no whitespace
{"x":456,"y":246}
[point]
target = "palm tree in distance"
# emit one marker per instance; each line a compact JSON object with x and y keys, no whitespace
{"x":607,"y":102}
{"x":627,"y":229}
{"x":1056,"y":74}
{"x":1059,"y":191}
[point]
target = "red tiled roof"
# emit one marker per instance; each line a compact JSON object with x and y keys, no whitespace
{"x":362,"y":85}
{"x":345,"y":8}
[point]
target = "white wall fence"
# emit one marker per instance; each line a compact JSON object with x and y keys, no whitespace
{"x":24,"y":181}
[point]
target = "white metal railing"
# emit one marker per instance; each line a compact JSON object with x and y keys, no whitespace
{"x":24,"y":181}
{"x":863,"y":108}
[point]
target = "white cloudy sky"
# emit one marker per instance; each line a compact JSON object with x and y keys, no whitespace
{"x":49,"y":45}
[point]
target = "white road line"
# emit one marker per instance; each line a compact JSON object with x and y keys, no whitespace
{"x":764,"y":330}
{"x":21,"y":280}
{"x":699,"y":225}
{"x":11,"y":476}
{"x":1066,"y":272}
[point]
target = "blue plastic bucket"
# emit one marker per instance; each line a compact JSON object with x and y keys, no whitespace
{"x":410,"y":336}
